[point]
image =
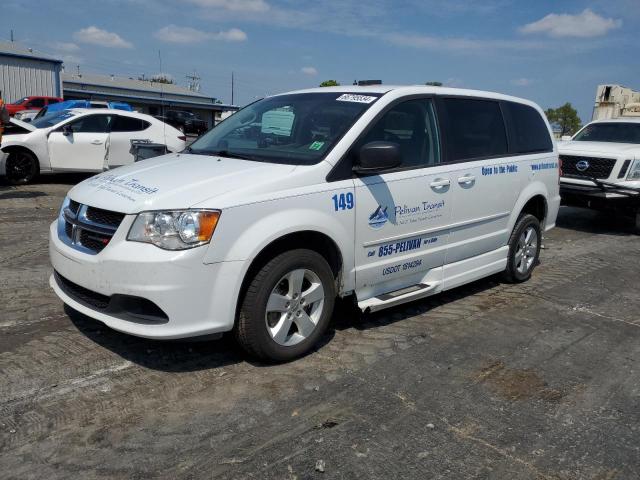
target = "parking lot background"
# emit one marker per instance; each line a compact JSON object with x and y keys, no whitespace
{"x":532,"y":381}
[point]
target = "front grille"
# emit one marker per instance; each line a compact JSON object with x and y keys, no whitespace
{"x":595,"y":167}
{"x":88,"y":229}
{"x":82,"y":294}
{"x":74,"y":206}
{"x":104,"y":217}
{"x":93,"y":241}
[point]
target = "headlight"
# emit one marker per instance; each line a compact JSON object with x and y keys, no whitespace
{"x":634,"y":172}
{"x":176,"y":229}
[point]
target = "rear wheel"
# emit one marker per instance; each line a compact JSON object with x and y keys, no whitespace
{"x":524,"y":249}
{"x":21,"y":167}
{"x":287,"y":306}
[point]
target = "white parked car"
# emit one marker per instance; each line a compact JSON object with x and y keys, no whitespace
{"x":387,"y":194}
{"x":601,"y":167}
{"x":26,"y":115}
{"x":80,"y":140}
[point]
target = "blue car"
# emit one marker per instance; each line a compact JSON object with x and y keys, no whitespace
{"x":69,"y":104}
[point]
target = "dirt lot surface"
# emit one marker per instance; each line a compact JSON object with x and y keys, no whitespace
{"x":489,"y":381}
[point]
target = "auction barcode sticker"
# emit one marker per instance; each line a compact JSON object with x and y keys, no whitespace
{"x":350,"y":97}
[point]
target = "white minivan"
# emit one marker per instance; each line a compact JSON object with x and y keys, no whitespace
{"x":386,"y":194}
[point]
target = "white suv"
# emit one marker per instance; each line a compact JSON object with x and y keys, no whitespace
{"x":389,"y":194}
{"x":601,"y":167}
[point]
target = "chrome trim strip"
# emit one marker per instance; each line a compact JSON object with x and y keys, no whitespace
{"x":79,"y":222}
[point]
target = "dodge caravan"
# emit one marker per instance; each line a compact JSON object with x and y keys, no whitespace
{"x":386,"y":194}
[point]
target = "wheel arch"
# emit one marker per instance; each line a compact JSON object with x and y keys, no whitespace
{"x":10,"y":149}
{"x":533,"y":200}
{"x":536,"y":206}
{"x":307,"y":239}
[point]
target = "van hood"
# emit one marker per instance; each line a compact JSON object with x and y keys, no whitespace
{"x":609,"y":148}
{"x":174,"y":181}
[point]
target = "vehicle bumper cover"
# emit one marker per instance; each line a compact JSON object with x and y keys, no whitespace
{"x":198,"y":298}
{"x":590,"y":196}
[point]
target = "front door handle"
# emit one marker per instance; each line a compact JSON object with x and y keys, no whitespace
{"x":440,"y":182}
{"x":97,"y":142}
{"x":466,"y":180}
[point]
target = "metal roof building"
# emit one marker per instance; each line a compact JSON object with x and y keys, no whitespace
{"x":145,"y":96}
{"x":24,"y":72}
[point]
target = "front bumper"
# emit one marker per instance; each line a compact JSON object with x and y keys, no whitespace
{"x":594,"y":197}
{"x":195,"y":298}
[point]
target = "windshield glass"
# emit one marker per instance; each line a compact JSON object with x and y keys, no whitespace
{"x":617,"y":132}
{"x":51,"y":119}
{"x":297,"y":129}
{"x":19,"y":102}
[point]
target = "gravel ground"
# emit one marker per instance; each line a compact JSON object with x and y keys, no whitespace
{"x":489,"y":381}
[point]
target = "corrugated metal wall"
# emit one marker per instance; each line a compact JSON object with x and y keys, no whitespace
{"x":21,"y":77}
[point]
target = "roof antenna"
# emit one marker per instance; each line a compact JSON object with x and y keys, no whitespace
{"x":164,"y":123}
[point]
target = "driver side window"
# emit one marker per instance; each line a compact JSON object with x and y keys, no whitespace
{"x":92,"y":124}
{"x":412,"y":126}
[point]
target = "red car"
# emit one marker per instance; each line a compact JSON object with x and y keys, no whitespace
{"x":30,"y":103}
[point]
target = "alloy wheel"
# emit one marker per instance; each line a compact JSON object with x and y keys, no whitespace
{"x":294,"y":307}
{"x":527,"y":250}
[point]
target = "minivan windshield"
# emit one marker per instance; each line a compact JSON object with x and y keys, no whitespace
{"x":51,"y":119}
{"x":298,"y":129}
{"x":618,"y":132}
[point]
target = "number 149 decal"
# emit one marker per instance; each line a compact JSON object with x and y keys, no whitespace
{"x":343,"y":201}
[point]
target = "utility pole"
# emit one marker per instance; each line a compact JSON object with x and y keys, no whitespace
{"x":232,"y":81}
{"x":12,"y":35}
{"x":194,"y":82}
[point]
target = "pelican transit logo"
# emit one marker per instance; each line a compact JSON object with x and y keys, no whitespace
{"x":378,"y":218}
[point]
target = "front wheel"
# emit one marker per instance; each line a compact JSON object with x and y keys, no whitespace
{"x":287,"y":306}
{"x":21,"y":167}
{"x":524,"y":249}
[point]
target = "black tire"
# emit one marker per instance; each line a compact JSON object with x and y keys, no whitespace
{"x":251,"y":329}
{"x":21,"y":167}
{"x":516,"y":271}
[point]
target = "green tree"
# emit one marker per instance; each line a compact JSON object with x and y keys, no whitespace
{"x":434,"y":84}
{"x":163,"y":78}
{"x":330,"y":83}
{"x":565,"y":118}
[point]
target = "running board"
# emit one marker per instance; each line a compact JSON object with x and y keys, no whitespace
{"x":397,"y":297}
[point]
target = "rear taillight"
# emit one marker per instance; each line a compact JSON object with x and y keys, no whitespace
{"x":183,"y":138}
{"x":559,"y":169}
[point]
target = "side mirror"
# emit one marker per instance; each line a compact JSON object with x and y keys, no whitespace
{"x":67,"y":130}
{"x":378,"y":156}
{"x":565,"y":138}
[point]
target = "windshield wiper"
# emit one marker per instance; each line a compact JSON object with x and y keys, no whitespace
{"x":228,"y":154}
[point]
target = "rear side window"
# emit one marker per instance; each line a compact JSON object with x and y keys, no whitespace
{"x":473,"y":129}
{"x":529,"y":133}
{"x":129,"y":124}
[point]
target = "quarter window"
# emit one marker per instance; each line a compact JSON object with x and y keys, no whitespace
{"x":529,"y":132}
{"x":473,"y":129}
{"x":412,"y":126}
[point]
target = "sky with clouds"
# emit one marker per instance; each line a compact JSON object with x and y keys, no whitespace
{"x":549,"y":51}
